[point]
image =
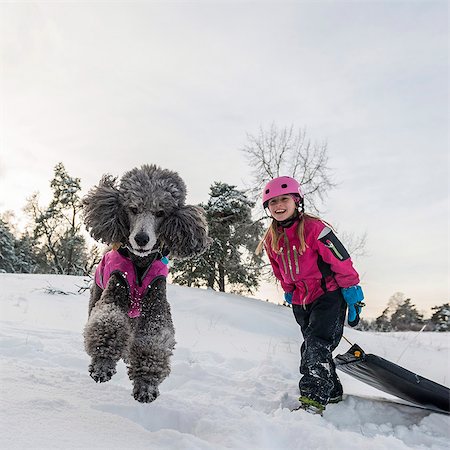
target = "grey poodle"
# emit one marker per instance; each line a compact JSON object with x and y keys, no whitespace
{"x":145,"y":219}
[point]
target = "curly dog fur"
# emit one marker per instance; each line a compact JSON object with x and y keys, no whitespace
{"x":143,"y":212}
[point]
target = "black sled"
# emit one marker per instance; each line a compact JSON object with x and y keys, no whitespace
{"x":393,"y":379}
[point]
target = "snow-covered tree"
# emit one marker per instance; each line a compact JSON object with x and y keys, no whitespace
{"x":366,"y":325}
{"x":7,"y":251}
{"x":406,"y":317}
{"x":440,"y":320}
{"x":383,"y":322}
{"x":25,"y":249}
{"x":62,"y":249}
{"x":230,"y":263}
{"x":16,"y":252}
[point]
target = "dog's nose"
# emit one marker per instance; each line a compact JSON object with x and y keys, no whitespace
{"x":141,"y":239}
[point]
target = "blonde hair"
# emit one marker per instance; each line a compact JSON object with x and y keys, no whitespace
{"x":272,"y":235}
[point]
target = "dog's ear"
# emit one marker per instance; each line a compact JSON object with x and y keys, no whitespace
{"x":185,"y":232}
{"x":103,"y":214}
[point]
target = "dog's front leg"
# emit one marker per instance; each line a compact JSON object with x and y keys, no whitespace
{"x":107,"y":331}
{"x":152,"y":345}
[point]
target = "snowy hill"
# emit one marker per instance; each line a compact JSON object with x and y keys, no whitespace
{"x":234,"y":376}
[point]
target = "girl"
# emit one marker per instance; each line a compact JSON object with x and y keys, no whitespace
{"x":319,"y":280}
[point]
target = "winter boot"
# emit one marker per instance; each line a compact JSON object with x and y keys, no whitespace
{"x":335,"y":399}
{"x":336,"y":393}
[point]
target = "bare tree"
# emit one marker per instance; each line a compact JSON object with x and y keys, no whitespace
{"x":355,"y":244}
{"x":56,"y":228}
{"x":287,"y":151}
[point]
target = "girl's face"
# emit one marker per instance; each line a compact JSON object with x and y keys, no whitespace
{"x":282,"y":207}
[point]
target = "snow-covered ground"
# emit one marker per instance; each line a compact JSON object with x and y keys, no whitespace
{"x":234,"y":376}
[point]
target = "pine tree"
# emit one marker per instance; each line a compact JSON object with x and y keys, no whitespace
{"x":16,"y":253}
{"x":230,"y":262}
{"x":24,"y":248}
{"x":62,"y":249}
{"x":383,"y":322}
{"x":406,"y":317}
{"x":7,"y":251}
{"x":366,"y":325}
{"x":440,"y":319}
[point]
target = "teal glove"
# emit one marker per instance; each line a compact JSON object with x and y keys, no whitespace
{"x":354,"y":297}
{"x":288,"y":297}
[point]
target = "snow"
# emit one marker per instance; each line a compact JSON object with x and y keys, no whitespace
{"x":234,"y":376}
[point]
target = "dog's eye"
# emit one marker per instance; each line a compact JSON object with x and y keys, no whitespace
{"x":159,"y":213}
{"x":134,"y":210}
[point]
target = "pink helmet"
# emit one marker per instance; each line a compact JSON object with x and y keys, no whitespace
{"x":279,"y":186}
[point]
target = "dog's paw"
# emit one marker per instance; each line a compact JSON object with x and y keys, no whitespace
{"x":144,"y":393}
{"x":102,"y":369}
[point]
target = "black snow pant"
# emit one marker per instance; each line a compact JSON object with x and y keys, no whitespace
{"x":322,"y":325}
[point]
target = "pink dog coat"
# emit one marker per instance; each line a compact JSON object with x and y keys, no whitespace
{"x":114,"y":262}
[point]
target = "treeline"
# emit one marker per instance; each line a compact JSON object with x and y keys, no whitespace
{"x":402,"y":315}
{"x":52,"y":241}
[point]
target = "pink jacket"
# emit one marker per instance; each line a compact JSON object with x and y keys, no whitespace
{"x":324,"y":266}
{"x":114,"y":262}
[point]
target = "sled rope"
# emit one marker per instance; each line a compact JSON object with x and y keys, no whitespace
{"x":409,"y":343}
{"x":347,"y":340}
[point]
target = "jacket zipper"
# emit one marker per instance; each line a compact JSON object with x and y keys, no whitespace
{"x":282,"y":259}
{"x":297,"y":269}
{"x":289,"y":264}
{"x":289,"y":257}
{"x":331,"y":246}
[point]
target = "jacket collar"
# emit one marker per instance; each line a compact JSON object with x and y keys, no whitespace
{"x":288,"y":222}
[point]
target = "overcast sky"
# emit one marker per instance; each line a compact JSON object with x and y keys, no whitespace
{"x":106,"y":86}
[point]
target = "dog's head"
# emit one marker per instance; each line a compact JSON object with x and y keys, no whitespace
{"x":146,"y":210}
